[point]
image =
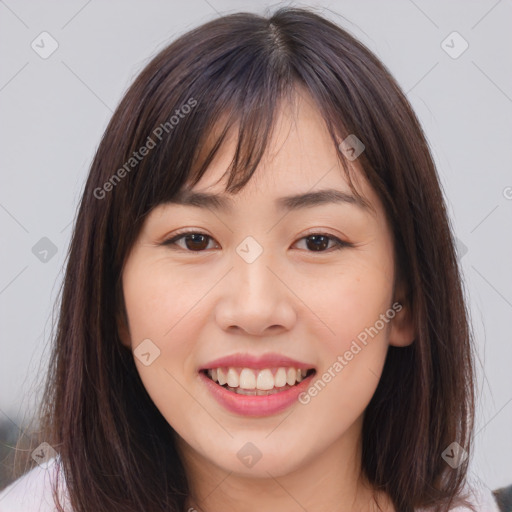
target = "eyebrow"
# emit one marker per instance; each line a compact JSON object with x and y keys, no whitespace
{"x":293,"y":202}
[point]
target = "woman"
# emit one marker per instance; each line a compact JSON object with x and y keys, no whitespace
{"x":262,"y":307}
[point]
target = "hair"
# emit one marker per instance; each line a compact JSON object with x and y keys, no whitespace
{"x":117,"y":451}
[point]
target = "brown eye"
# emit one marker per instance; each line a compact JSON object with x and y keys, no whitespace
{"x":194,"y":241}
{"x":319,"y":242}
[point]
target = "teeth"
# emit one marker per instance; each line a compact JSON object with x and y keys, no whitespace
{"x":232,"y":378}
{"x":265,"y":380}
{"x":247,"y":381}
{"x":291,"y":376}
{"x":221,"y":376}
{"x":280,"y":378}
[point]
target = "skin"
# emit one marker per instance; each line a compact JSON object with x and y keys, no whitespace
{"x":308,"y":305}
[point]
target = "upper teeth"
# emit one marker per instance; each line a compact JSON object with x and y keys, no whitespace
{"x":247,"y":378}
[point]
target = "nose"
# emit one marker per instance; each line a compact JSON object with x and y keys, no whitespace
{"x":255,"y":299}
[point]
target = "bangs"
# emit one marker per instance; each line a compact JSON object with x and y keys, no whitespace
{"x":252,"y":130}
{"x":251,"y":125}
{"x":245,"y":77}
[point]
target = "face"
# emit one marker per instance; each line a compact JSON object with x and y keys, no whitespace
{"x":309,"y":286}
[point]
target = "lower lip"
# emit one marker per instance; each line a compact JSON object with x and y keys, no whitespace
{"x":256,"y":405}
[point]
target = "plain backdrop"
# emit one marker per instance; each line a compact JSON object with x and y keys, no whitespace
{"x":55,"y":109}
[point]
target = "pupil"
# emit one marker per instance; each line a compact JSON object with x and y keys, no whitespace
{"x":195,"y":239}
{"x":319,"y":242}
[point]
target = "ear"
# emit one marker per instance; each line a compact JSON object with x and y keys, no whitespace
{"x":123,"y":329}
{"x":402,"y":329}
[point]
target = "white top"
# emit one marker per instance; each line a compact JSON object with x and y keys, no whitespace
{"x":32,"y":493}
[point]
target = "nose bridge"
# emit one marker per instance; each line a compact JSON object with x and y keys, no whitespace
{"x":252,"y":269}
{"x":255,"y":298}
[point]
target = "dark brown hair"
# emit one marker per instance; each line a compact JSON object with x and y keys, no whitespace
{"x":117,"y":451}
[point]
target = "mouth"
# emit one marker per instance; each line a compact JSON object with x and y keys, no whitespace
{"x":257,"y":382}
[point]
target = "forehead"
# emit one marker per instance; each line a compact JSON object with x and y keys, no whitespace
{"x":300,"y":167}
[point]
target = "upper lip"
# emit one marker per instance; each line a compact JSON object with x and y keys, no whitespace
{"x":255,"y":362}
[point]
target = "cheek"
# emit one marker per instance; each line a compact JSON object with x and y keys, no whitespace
{"x":158,"y":299}
{"x":349,"y":301}
{"x":354,"y":305}
{"x":163,"y":305}
{"x":352,"y":350}
{"x":341,"y":393}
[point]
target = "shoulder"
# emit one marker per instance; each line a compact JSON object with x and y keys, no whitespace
{"x":32,"y":492}
{"x":483,"y":500}
{"x":480,"y":496}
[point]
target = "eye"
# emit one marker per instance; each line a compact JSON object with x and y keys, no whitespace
{"x":196,"y":241}
{"x":318,"y":242}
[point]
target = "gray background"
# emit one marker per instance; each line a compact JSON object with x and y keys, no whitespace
{"x":55,"y":110}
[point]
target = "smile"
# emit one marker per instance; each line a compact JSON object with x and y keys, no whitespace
{"x":277,"y":395}
{"x":263,"y":382}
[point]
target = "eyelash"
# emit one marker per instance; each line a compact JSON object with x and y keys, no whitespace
{"x":338,"y":244}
